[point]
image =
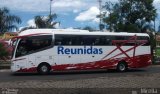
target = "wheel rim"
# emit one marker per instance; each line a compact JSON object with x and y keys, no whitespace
{"x":44,"y":69}
{"x":122,"y":67}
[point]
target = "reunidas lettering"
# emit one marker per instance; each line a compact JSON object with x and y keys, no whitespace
{"x":84,"y":50}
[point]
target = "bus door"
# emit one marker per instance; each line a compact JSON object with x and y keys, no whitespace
{"x":21,"y":57}
{"x":25,"y":51}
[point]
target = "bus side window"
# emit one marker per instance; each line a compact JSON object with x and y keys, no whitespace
{"x":85,"y":40}
{"x":67,"y":40}
{"x":75,"y":40}
{"x":96,"y":41}
{"x":58,"y":40}
{"x":104,"y":41}
{"x":58,"y":43}
{"x":144,"y":38}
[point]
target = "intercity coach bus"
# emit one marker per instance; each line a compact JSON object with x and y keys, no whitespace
{"x":46,"y":50}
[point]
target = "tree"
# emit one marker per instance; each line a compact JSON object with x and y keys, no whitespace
{"x":88,"y":28}
{"x":109,"y":7}
{"x":4,"y":52}
{"x":7,"y":21}
{"x":130,"y":15}
{"x":45,"y":22}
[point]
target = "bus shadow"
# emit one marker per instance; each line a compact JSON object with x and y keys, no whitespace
{"x":78,"y":72}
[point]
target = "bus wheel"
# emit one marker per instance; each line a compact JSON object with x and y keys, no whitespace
{"x":44,"y":69}
{"x":122,"y":66}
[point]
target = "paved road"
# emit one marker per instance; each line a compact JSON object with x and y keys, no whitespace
{"x":58,"y":76}
{"x":95,"y":82}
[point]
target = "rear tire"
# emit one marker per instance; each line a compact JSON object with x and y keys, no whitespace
{"x":44,"y":69}
{"x":122,"y":67}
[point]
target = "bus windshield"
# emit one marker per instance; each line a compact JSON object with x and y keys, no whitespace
{"x":33,"y":44}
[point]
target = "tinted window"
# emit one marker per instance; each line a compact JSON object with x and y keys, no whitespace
{"x":97,"y":40}
{"x":131,"y":41}
{"x":144,"y":39}
{"x":33,"y":44}
{"x":83,"y":40}
{"x":67,"y":40}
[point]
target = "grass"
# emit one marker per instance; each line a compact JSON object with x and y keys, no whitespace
{"x":157,"y":51}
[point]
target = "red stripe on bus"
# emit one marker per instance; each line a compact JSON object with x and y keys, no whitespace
{"x":141,"y":61}
{"x":19,"y":59}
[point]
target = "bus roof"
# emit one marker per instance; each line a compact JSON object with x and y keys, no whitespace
{"x":74,"y":32}
{"x":48,"y":31}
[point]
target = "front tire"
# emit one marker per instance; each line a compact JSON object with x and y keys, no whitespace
{"x":44,"y":69}
{"x":122,"y":67}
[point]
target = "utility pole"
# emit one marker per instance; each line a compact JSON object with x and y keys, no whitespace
{"x":100,"y":14}
{"x":50,"y":10}
{"x":109,"y":7}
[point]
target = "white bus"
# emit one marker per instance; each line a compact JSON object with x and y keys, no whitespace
{"x":46,"y":50}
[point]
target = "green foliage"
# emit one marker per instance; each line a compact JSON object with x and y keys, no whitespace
{"x":88,"y":28}
{"x":45,"y":22}
{"x":127,"y":28}
{"x":7,"y":21}
{"x":157,"y":52}
{"x":152,"y":41}
{"x":130,"y":15}
{"x":3,"y":51}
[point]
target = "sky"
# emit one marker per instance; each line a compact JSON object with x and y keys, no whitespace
{"x":71,"y":13}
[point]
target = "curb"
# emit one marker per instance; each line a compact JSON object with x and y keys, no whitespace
{"x":5,"y":70}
